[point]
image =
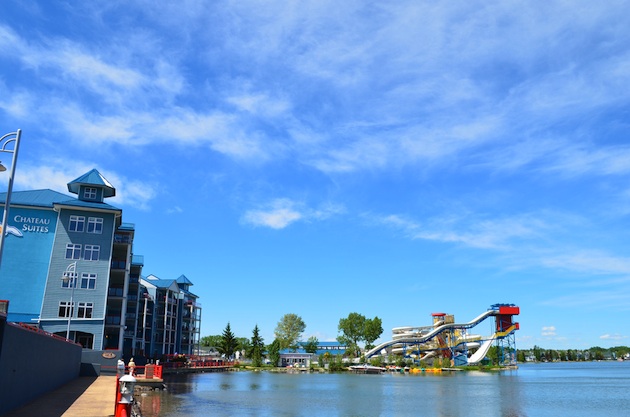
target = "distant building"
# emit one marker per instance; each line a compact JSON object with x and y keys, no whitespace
{"x":171,"y":316}
{"x":301,"y":357}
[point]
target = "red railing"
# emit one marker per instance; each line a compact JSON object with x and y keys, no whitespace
{"x":36,"y":329}
{"x":146,"y":372}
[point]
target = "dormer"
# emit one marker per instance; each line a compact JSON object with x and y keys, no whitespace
{"x":92,"y":187}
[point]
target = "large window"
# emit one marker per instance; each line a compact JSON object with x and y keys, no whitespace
{"x":95,"y":225}
{"x":73,"y":251}
{"x":69,"y":280}
{"x":85,"y":310}
{"x":89,"y":193}
{"x":91,"y":252}
{"x":77,"y":223}
{"x":64,"y":309}
{"x":88,"y":281}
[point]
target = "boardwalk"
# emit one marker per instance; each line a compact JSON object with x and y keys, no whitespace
{"x":82,"y":397}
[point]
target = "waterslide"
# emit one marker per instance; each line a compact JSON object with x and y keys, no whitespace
{"x":432,"y":334}
{"x":481,"y":353}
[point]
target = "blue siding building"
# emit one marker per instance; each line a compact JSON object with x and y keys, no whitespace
{"x":52,"y":236}
{"x":68,"y":267}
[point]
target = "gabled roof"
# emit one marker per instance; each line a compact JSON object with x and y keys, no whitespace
{"x":152,"y":280}
{"x":183,"y":280}
{"x":39,"y":198}
{"x":92,"y":178}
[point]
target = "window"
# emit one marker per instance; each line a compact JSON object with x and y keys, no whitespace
{"x":69,"y":280}
{"x":73,"y":251}
{"x":92,"y":252}
{"x":89,"y":193}
{"x":85,"y":339}
{"x":85,"y":310}
{"x":95,"y":225}
{"x":88,"y":281}
{"x":77,"y":223}
{"x":64,"y":309}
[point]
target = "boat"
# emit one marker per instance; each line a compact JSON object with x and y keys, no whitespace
{"x":367,"y":369}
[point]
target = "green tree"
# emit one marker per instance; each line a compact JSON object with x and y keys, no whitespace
{"x":210,"y":341}
{"x":289,"y":331}
{"x":256,"y":347}
{"x":228,"y":343}
{"x":493,"y":355}
{"x":273,"y":350}
{"x":352,"y":330}
{"x":243,"y":345}
{"x":311,"y":344}
{"x":538,"y":353}
{"x":372,"y":330}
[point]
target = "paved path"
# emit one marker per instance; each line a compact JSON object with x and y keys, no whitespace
{"x":82,"y":397}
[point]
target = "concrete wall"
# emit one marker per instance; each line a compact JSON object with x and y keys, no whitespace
{"x":32,"y":364}
{"x":103,"y":361}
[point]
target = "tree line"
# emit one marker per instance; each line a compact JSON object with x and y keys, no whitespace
{"x":353,"y":330}
{"x":597,"y":353}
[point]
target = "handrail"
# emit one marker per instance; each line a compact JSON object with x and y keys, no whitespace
{"x":36,"y":329}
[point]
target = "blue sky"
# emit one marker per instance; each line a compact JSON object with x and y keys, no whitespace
{"x":320,"y":158}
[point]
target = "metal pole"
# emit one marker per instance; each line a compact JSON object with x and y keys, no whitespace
{"x":7,"y":203}
{"x":144,"y":326}
{"x":71,"y":271}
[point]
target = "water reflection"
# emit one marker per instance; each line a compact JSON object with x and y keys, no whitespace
{"x":533,"y":390}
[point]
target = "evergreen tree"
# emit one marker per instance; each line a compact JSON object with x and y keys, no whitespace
{"x":256,"y":347}
{"x":228,"y":343}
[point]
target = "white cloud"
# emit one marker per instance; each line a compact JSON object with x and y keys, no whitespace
{"x":175,"y":209}
{"x":548,"y":331}
{"x":615,"y":336}
{"x":283,"y":212}
{"x":497,"y":234}
{"x":280,"y":214}
{"x":591,"y":262}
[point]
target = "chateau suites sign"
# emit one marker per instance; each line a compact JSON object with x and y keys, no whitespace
{"x":30,"y":224}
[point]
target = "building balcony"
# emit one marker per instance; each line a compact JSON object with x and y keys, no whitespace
{"x":122,"y":238}
{"x":119,"y":264}
{"x":115,"y":292}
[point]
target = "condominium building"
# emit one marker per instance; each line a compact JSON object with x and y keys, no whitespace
{"x":173,"y":315}
{"x":68,"y":266}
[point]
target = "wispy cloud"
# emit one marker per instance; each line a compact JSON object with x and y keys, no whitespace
{"x":496,"y":234}
{"x":548,"y":331}
{"x":615,"y":336}
{"x":591,"y":262}
{"x":283,"y":212}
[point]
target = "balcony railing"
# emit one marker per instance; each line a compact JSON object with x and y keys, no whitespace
{"x":120,"y":238}
{"x":119,"y":264}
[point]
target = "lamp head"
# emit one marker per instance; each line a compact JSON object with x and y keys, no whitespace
{"x":2,"y":167}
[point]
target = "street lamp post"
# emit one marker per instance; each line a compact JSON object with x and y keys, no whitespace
{"x":70,"y":276}
{"x":13,"y":137}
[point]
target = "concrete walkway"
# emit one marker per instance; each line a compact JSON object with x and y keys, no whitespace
{"x":82,"y":397}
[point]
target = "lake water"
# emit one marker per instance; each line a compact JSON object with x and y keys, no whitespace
{"x":534,"y":390}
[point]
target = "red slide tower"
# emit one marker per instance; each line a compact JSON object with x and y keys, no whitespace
{"x":504,"y":328}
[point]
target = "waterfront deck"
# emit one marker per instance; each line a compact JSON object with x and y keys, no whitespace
{"x":81,"y":397}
